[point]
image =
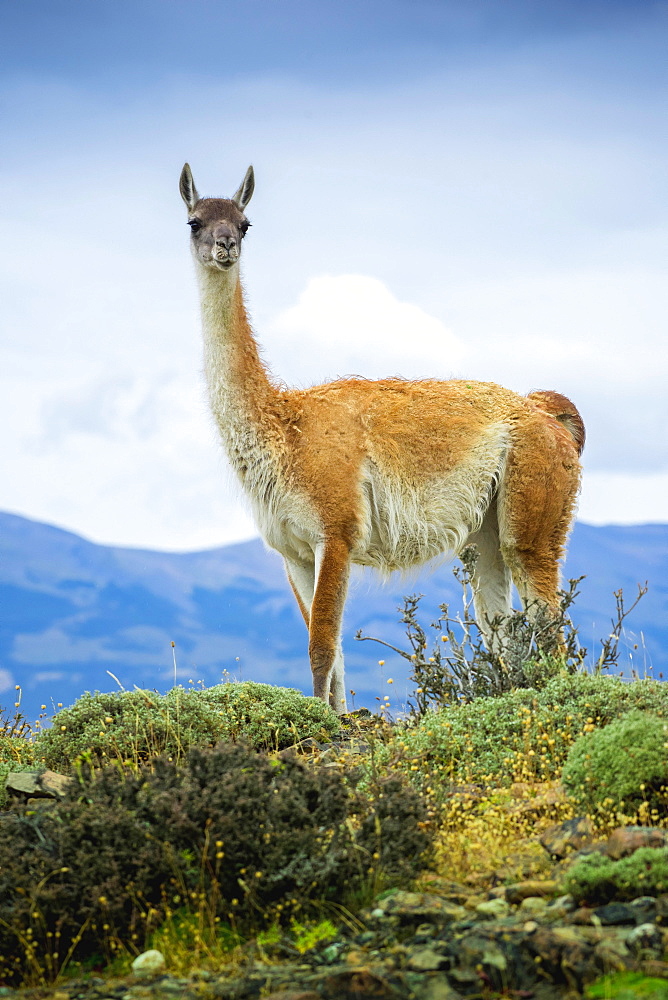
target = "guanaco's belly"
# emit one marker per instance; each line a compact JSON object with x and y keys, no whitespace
{"x":407,"y":523}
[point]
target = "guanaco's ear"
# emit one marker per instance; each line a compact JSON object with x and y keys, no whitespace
{"x":245,"y":191}
{"x":187,"y":187}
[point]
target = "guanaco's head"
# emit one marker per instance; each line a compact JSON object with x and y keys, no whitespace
{"x":217,"y":225}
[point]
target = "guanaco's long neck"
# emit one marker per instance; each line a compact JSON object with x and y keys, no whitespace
{"x":240,"y":391}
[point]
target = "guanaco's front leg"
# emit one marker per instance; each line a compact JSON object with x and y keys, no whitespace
{"x":332,"y":568}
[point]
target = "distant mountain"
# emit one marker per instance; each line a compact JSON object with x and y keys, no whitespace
{"x":70,"y":611}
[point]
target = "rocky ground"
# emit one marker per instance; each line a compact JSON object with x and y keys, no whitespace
{"x":521,"y":940}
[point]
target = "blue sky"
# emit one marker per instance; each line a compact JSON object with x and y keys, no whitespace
{"x":97,"y":43}
{"x":443,"y":189}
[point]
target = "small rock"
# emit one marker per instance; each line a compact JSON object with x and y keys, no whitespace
{"x":358,"y":983}
{"x":560,"y":907}
{"x":614,"y":913}
{"x":331,"y":953}
{"x":424,"y":932}
{"x":427,"y":960}
{"x":612,"y":954}
{"x":521,"y":890}
{"x":366,"y":937}
{"x":202,"y":974}
{"x":356,"y":958}
{"x":438,"y":988}
{"x":627,"y":839}
{"x":419,"y":907}
{"x":149,"y":963}
{"x":580,"y":916}
{"x":38,"y":784}
{"x":536,"y":906}
{"x":493,"y":909}
{"x":645,"y":908}
{"x":352,"y":746}
{"x":569,"y":836}
{"x":55,"y":785}
{"x":465,"y":979}
{"x":310,"y":745}
{"x":646,"y":941}
{"x":24,"y":783}
{"x":292,"y":995}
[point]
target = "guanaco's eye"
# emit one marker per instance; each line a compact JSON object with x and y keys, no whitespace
{"x":195,"y":225}
{"x":244,"y":227}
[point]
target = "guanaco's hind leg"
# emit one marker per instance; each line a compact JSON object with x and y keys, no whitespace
{"x":491,"y":578}
{"x":536,"y":504}
{"x":301,"y":577}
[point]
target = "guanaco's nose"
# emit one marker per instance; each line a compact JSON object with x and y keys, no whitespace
{"x":224,"y":238}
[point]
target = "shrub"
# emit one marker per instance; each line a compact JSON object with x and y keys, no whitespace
{"x":258,"y":838}
{"x":268,"y":717}
{"x":525,"y":732}
{"x":627,"y":986}
{"x":623,"y":764}
{"x":284,"y":829}
{"x":78,"y":874}
{"x":598,"y":879}
{"x":136,"y":725}
{"x":536,"y":647}
{"x":129,"y":726}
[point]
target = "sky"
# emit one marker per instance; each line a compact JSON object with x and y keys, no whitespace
{"x":442,"y":189}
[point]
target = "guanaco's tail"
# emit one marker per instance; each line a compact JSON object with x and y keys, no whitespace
{"x":564,"y":411}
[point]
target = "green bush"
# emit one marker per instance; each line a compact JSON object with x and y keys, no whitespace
{"x":598,"y":879}
{"x":623,"y":764}
{"x":627,"y":986}
{"x":259,"y":838}
{"x":524,"y":731}
{"x":136,"y":725}
{"x":268,"y":717}
{"x":81,"y":869}
{"x":129,"y":726}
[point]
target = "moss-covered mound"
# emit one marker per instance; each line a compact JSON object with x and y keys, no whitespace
{"x":623,"y":765}
{"x":524,"y":733}
{"x":136,"y":725}
{"x":598,"y":879}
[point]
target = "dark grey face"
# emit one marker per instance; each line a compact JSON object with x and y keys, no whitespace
{"x":217,"y":227}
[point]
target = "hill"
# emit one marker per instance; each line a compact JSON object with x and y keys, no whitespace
{"x":73,"y":610}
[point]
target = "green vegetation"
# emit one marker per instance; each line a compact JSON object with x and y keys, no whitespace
{"x":627,"y":986}
{"x":622,"y":765}
{"x":251,"y":839}
{"x":136,"y":725}
{"x":598,"y":879}
{"x":524,"y":733}
{"x":268,"y":717}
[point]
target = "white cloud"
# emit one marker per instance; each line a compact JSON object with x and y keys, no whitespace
{"x":352,"y":324}
{"x":616,"y":498}
{"x":6,"y":680}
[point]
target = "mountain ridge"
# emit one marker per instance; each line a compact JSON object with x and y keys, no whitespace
{"x":75,"y":610}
